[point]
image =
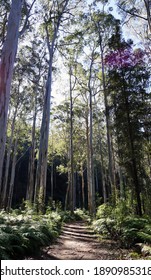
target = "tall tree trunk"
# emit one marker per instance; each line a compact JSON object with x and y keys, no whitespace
{"x":11,"y":187}
{"x":101,"y":157}
{"x":83,"y":193}
{"x":6,"y":71}
{"x":71,"y":146}
{"x":121,"y":181}
{"x":31,"y":168}
{"x":5,"y":182}
{"x":52,"y":180}
{"x":88,"y":160}
{"x":67,"y":197}
{"x":41,"y":174}
{"x":90,"y":140}
{"x":92,"y":185}
{"x":96,"y":181}
{"x":133,"y":159}
{"x":108,"y":127}
{"x":148,"y":7}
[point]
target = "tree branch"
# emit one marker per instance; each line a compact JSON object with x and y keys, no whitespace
{"x":26,"y":20}
{"x":131,"y":13}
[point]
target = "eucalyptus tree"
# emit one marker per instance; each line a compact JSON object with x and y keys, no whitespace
{"x":80,"y":148}
{"x":8,"y":55}
{"x":103,"y":25}
{"x":85,"y":81}
{"x":8,"y":201}
{"x":55,"y":14}
{"x":59,"y":147}
{"x":4,"y":13}
{"x":10,"y":36}
{"x":19,"y":155}
{"x":100,"y":136}
{"x":19,"y":107}
{"x":137,"y":9}
{"x":33,"y":60}
{"x":9,"y":145}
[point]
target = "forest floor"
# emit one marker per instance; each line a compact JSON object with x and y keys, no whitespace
{"x":78,"y":242}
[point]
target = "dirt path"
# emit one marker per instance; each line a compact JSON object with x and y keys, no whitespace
{"x":78,"y":242}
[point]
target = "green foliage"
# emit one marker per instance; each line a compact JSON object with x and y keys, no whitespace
{"x":77,"y":215}
{"x":118,"y":224}
{"x":103,"y":211}
{"x":81,"y":215}
{"x":134,"y":256}
{"x":23,"y":232}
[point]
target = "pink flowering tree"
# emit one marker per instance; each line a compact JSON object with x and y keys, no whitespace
{"x":127,"y":83}
{"x":124,"y":58}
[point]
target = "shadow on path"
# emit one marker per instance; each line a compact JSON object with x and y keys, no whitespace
{"x":78,"y":242}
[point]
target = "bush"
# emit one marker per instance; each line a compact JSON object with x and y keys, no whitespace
{"x":23,"y":233}
{"x":77,"y":215}
{"x":118,"y":224}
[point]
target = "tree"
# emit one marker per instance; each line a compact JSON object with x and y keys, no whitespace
{"x":53,"y":20}
{"x":128,"y":80}
{"x":137,"y":9}
{"x":52,"y":24}
{"x":6,"y":71}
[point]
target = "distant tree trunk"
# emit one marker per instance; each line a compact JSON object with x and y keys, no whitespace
{"x":83,"y":193}
{"x":52,"y":180}
{"x":148,"y":7}
{"x":133,"y":159}
{"x":71,"y":146}
{"x":5,"y":183}
{"x":90,"y":171}
{"x":67,"y":197}
{"x":41,"y":174}
{"x":108,"y":127}
{"x":78,"y":201}
{"x":96,"y":181}
{"x":92,"y":186}
{"x":88,"y":160}
{"x":90,"y":140}
{"x":11,"y":187}
{"x":149,"y":162}
{"x":101,"y":157}
{"x":31,"y":168}
{"x":6,"y":71}
{"x":122,"y":190}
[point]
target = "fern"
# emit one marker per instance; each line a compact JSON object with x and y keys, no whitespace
{"x":3,"y":254}
{"x":144,"y":237}
{"x":135,"y":222}
{"x":23,"y":233}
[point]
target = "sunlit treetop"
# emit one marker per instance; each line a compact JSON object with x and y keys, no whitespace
{"x":124,"y":57}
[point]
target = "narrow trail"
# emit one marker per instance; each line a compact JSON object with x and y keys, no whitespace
{"x":78,"y":242}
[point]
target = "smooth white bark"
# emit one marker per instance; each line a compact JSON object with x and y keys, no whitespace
{"x":41,"y":174}
{"x":6,"y":71}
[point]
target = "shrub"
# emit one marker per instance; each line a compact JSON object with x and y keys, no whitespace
{"x":118,"y":224}
{"x":24,"y":233}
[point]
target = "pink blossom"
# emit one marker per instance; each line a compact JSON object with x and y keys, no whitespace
{"x":125,"y":57}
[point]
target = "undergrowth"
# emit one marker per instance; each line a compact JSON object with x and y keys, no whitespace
{"x":23,"y":232}
{"x":120,"y":225}
{"x":77,"y":215}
